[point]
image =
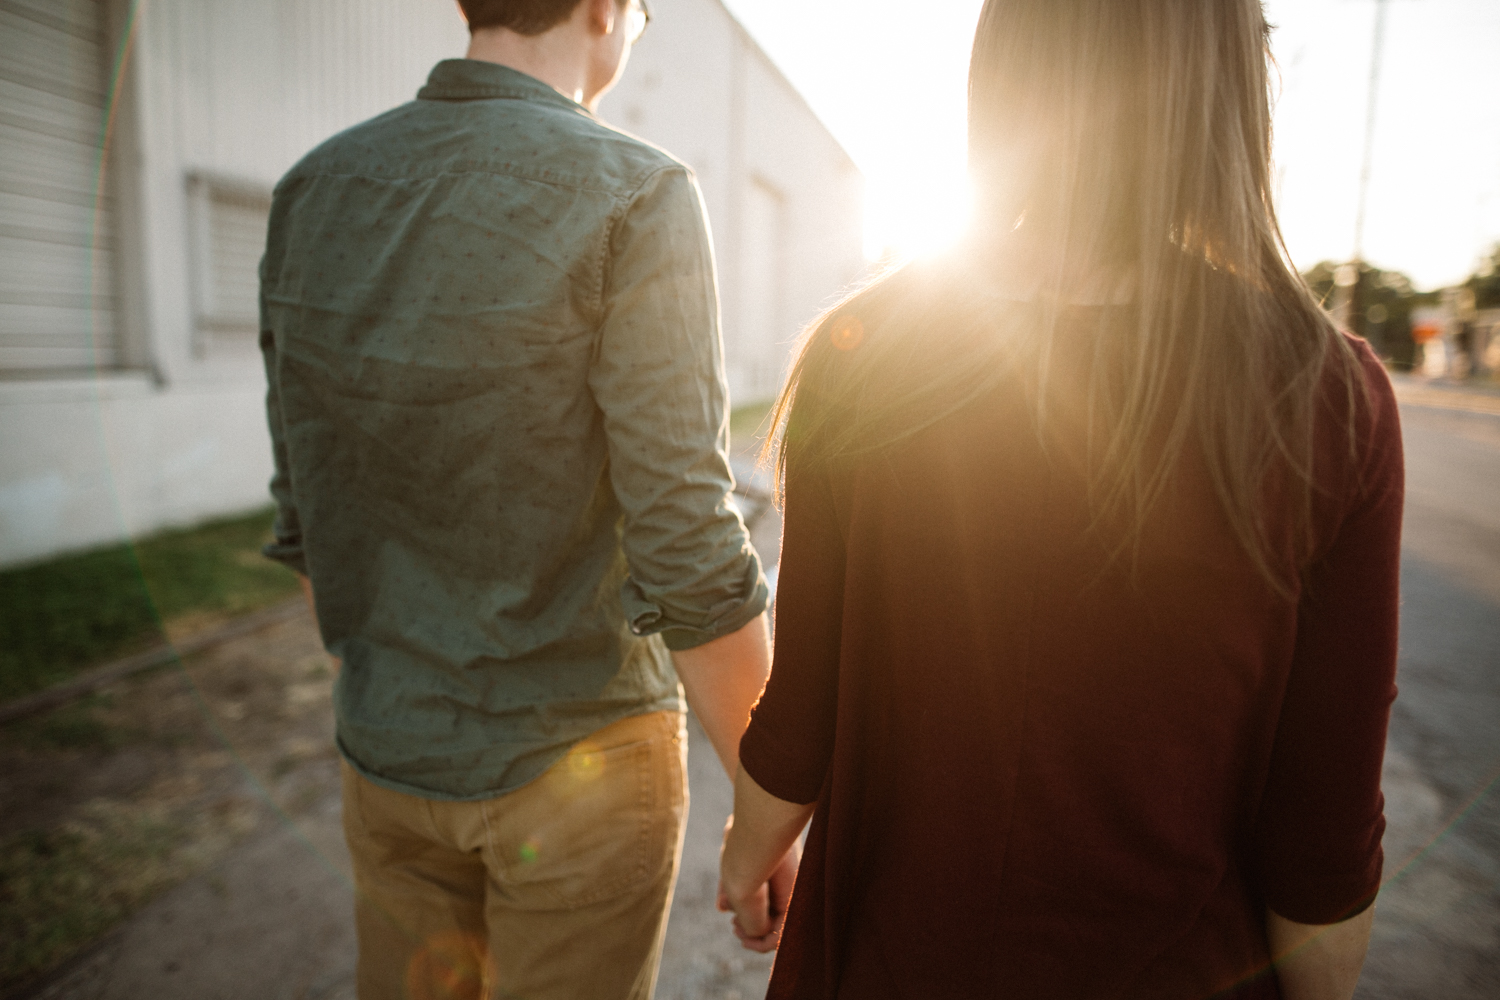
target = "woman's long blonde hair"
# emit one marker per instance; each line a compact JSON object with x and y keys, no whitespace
{"x":1118,"y":147}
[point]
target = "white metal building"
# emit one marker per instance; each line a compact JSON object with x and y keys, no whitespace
{"x":139,"y":141}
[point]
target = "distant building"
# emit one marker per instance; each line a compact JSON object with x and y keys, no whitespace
{"x":130,"y":380}
{"x":1487,"y":341}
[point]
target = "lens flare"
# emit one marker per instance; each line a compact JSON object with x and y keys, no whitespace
{"x":847,"y":333}
{"x":450,"y":966}
{"x":585,"y":762}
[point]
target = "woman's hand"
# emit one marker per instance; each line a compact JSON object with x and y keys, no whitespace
{"x":759,"y":862}
{"x":760,"y":911}
{"x":1318,"y":962}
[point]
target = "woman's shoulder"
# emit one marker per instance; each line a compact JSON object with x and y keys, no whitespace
{"x":1358,"y":377}
{"x":1358,"y":435}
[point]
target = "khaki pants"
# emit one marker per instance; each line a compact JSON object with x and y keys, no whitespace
{"x":559,"y":889}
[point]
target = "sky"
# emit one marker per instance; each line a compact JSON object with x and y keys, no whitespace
{"x":888,"y":79}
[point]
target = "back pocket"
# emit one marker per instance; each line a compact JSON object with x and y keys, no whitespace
{"x":594,"y":826}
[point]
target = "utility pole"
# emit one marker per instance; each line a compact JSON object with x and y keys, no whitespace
{"x":1347,"y":278}
{"x":1377,"y":56}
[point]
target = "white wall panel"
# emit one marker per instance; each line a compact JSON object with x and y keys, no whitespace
{"x":755,"y":343}
{"x":86,"y":462}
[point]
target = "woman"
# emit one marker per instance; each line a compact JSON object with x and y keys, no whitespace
{"x":1086,"y":631}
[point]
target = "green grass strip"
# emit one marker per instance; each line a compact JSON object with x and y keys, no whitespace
{"x":64,"y":615}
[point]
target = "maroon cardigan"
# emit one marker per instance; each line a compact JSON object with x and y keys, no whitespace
{"x":1039,"y":774}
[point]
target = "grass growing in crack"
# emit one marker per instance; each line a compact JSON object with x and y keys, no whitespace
{"x":75,"y":727}
{"x":748,"y":424}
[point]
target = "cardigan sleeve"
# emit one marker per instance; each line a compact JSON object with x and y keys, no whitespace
{"x":789,"y":744}
{"x":1322,"y":815}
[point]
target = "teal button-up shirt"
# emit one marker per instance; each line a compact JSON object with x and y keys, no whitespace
{"x":496,"y":398}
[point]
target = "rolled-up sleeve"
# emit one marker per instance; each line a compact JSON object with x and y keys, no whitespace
{"x":1322,"y":816}
{"x":657,"y":376}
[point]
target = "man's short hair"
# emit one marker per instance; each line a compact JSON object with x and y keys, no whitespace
{"x":525,"y":17}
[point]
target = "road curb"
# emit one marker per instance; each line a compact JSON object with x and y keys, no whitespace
{"x":91,"y":680}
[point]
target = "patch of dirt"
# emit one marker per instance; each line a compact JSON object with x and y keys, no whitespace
{"x":111,"y":800}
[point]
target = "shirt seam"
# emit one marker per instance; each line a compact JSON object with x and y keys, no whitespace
{"x":483,"y":93}
{"x":623,"y":202}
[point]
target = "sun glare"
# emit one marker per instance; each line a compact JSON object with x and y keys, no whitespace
{"x":907,"y":220}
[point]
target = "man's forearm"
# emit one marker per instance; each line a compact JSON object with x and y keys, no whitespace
{"x":723,"y":679}
{"x":1318,"y":962}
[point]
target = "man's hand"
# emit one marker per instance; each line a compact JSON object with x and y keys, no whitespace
{"x":760,"y":912}
{"x":312,"y":605}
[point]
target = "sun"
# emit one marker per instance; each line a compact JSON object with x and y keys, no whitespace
{"x":909,"y":218}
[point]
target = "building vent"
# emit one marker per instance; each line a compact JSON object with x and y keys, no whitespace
{"x":229,"y":220}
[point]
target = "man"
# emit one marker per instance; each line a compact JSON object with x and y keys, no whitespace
{"x":498,"y":410}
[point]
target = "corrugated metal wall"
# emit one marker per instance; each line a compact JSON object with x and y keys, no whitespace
{"x":256,"y":85}
{"x":56,"y":241}
{"x":239,"y":91}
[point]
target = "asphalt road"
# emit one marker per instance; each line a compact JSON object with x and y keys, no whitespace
{"x":1437,"y":924}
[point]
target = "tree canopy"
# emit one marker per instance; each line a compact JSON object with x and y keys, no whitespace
{"x":1485,"y":281}
{"x":1381,"y":307}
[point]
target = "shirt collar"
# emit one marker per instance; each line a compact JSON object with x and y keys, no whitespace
{"x":475,"y":80}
